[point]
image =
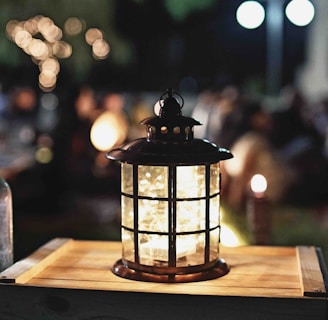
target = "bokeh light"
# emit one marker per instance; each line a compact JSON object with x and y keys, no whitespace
{"x":92,"y":35}
{"x":258,"y":184}
{"x":300,"y":12}
{"x":100,"y":49}
{"x":41,"y":38}
{"x":73,"y":26}
{"x":250,"y":14}
{"x":109,"y":129}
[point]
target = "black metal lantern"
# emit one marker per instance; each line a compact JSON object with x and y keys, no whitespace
{"x":170,"y":197}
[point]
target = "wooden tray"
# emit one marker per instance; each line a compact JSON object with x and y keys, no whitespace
{"x":289,"y":278}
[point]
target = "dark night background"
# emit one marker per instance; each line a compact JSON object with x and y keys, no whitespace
{"x":193,"y":46}
{"x":206,"y":46}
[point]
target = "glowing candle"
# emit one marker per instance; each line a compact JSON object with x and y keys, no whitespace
{"x":258,"y":211}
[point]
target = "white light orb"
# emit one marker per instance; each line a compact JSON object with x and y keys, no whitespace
{"x":258,"y":184}
{"x":250,"y":14}
{"x":300,"y":12}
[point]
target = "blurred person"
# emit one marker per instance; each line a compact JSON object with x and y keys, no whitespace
{"x":301,"y":145}
{"x":211,"y":110}
{"x":85,"y":103}
{"x":82,"y":152}
{"x":90,"y":171}
{"x":21,"y":117}
{"x":320,"y":119}
{"x":253,"y":153}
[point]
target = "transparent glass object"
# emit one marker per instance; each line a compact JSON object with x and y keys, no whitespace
{"x":190,"y":181}
{"x":6,"y":226}
{"x":127,"y":178}
{"x":153,"y":181}
{"x":190,"y":207}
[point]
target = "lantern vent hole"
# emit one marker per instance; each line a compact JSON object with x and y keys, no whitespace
{"x":176,"y":130}
{"x":164,"y":130}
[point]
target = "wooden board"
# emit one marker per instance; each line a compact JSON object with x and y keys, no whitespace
{"x":254,"y":271}
{"x":288,"y":278}
{"x":312,"y":281}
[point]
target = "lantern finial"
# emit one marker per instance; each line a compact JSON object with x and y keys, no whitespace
{"x":170,"y":106}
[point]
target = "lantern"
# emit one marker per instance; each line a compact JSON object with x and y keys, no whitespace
{"x":170,"y":198}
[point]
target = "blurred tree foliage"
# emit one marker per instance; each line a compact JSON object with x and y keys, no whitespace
{"x":180,"y":9}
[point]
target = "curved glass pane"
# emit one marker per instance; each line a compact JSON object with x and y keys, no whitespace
{"x":127,"y":178}
{"x":153,"y":181}
{"x":190,"y":182}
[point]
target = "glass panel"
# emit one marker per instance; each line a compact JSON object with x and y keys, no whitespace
{"x":190,"y":249}
{"x":153,"y":215}
{"x":214,"y":211}
{"x":215,"y":178}
{"x":153,"y":181}
{"x":214,"y":244}
{"x":127,"y":245}
{"x":190,"y":215}
{"x":190,"y":181}
{"x":127,"y":178}
{"x":153,"y":248}
{"x":127,"y":212}
{"x":186,"y":245}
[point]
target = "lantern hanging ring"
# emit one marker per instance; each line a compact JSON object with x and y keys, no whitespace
{"x":170,"y":93}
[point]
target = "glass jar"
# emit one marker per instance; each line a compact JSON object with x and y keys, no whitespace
{"x":6,"y":226}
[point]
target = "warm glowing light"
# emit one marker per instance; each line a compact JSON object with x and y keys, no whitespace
{"x":92,"y":35}
{"x":300,"y":12}
{"x":250,"y":14}
{"x":44,"y":23}
{"x":38,"y":49}
{"x":44,"y":155}
{"x":31,"y":26}
{"x":258,"y":184}
{"x":229,"y":237}
{"x":22,"y":38}
{"x":153,"y":181}
{"x":53,"y":33}
{"x":47,"y":79}
{"x":12,"y":28}
{"x":44,"y":48}
{"x":158,"y":249}
{"x":100,"y":49}
{"x":62,"y":49}
{"x":236,"y":165}
{"x":109,"y":130}
{"x":50,"y":64}
{"x":73,"y":26}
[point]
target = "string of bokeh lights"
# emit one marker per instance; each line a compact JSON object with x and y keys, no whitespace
{"x":42,"y":39}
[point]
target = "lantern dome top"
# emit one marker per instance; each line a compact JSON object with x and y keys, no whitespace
{"x":170,"y":124}
{"x":170,"y":139}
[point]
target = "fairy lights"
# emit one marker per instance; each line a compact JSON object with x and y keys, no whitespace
{"x":42,"y":39}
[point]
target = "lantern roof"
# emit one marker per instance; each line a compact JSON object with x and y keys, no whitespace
{"x":170,"y":139}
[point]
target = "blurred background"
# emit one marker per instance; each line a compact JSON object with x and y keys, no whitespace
{"x":77,"y":77}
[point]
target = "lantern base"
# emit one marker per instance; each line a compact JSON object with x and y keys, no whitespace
{"x":218,"y":270}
